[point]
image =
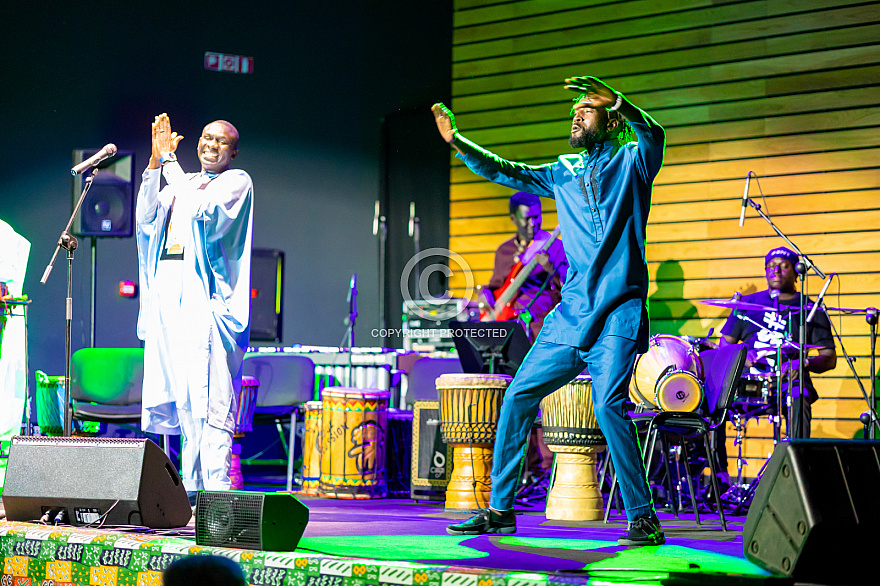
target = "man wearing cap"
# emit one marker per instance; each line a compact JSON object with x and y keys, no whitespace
{"x":603,"y":195}
{"x":764,"y":330}
{"x":540,"y":292}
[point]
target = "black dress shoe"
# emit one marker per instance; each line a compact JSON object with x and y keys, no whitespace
{"x":485,"y":521}
{"x":644,"y":531}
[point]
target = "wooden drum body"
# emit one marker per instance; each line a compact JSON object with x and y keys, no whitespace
{"x":470,"y":405}
{"x":571,"y":431}
{"x":311,"y":467}
{"x":353,"y":426}
{"x":244,"y":422}
{"x":668,"y":376}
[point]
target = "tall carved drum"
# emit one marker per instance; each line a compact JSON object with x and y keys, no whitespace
{"x":353,"y":427}
{"x":571,"y":431}
{"x":470,"y":405}
{"x":244,"y":422}
{"x":311,"y":444}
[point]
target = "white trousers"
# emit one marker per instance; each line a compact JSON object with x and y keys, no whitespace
{"x":205,"y":454}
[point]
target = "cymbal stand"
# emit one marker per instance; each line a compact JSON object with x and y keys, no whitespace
{"x":871,"y":315}
{"x":775,"y":418}
{"x":739,"y":424}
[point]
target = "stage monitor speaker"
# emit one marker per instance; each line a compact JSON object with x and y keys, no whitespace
{"x":108,"y":209}
{"x":267,"y":521}
{"x":815,"y":510}
{"x":267,"y":294}
{"x":431,"y":457}
{"x":85,"y":481}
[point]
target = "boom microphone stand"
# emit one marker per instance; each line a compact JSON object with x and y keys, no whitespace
{"x":871,"y":318}
{"x":69,"y":243}
{"x":802,"y":271}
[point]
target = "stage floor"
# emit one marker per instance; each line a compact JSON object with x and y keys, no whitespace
{"x":398,"y":529}
{"x":388,"y":536}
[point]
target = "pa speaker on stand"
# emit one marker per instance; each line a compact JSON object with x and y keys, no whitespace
{"x":107,"y":210}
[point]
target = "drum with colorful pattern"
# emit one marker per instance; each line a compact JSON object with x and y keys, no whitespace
{"x":353,"y":427}
{"x":311,"y":444}
{"x":244,"y":422}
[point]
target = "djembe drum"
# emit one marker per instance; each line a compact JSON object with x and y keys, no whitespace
{"x":571,"y":431}
{"x":668,"y":376}
{"x":311,"y":444}
{"x":470,"y":405}
{"x":244,"y":422}
{"x":353,"y":427}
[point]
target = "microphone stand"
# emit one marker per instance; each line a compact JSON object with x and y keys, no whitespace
{"x":871,"y":318}
{"x":380,"y":229}
{"x":807,"y":265}
{"x":350,"y":322}
{"x":414,"y":233}
{"x":69,"y":243}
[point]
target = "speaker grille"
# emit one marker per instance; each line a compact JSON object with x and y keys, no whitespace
{"x":229,"y":519}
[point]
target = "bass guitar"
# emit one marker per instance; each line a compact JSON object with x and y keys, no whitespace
{"x":499,"y":307}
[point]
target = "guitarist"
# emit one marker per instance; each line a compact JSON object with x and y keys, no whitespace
{"x":541,"y":290}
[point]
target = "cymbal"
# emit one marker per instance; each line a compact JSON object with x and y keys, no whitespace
{"x":736,"y":304}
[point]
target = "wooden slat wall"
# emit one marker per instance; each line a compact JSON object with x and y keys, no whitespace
{"x":786,"y":88}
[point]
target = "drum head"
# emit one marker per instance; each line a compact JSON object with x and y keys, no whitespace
{"x":679,"y":390}
{"x":665,"y":354}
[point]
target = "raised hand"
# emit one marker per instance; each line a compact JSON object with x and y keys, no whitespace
{"x":164,"y":140}
{"x":445,"y":120}
{"x":598,"y":93}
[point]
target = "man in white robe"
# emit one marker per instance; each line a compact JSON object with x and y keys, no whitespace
{"x":194,"y":252}
{"x":14,"y":252}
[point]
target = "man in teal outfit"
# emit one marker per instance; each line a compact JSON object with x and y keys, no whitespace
{"x":603,"y":195}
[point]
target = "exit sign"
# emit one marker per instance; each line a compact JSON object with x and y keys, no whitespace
{"x":228,"y":62}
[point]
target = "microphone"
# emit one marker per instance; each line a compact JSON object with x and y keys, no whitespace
{"x":774,"y":295}
{"x":352,"y":287}
{"x":819,"y":299}
{"x":105,"y":153}
{"x":376,"y":218}
{"x":412,"y":218}
{"x":742,"y":213}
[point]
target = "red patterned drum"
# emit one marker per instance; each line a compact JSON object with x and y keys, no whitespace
{"x":247,"y":400}
{"x":244,"y":421}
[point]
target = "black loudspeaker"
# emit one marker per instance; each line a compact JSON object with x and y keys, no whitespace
{"x":816,"y":508}
{"x":108,"y":209}
{"x":267,"y":294}
{"x":250,"y":520}
{"x":84,"y":481}
{"x":431,"y":457}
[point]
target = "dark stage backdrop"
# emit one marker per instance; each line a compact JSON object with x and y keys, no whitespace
{"x":309,"y":116}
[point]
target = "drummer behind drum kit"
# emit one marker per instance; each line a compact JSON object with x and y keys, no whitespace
{"x":669,"y":377}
